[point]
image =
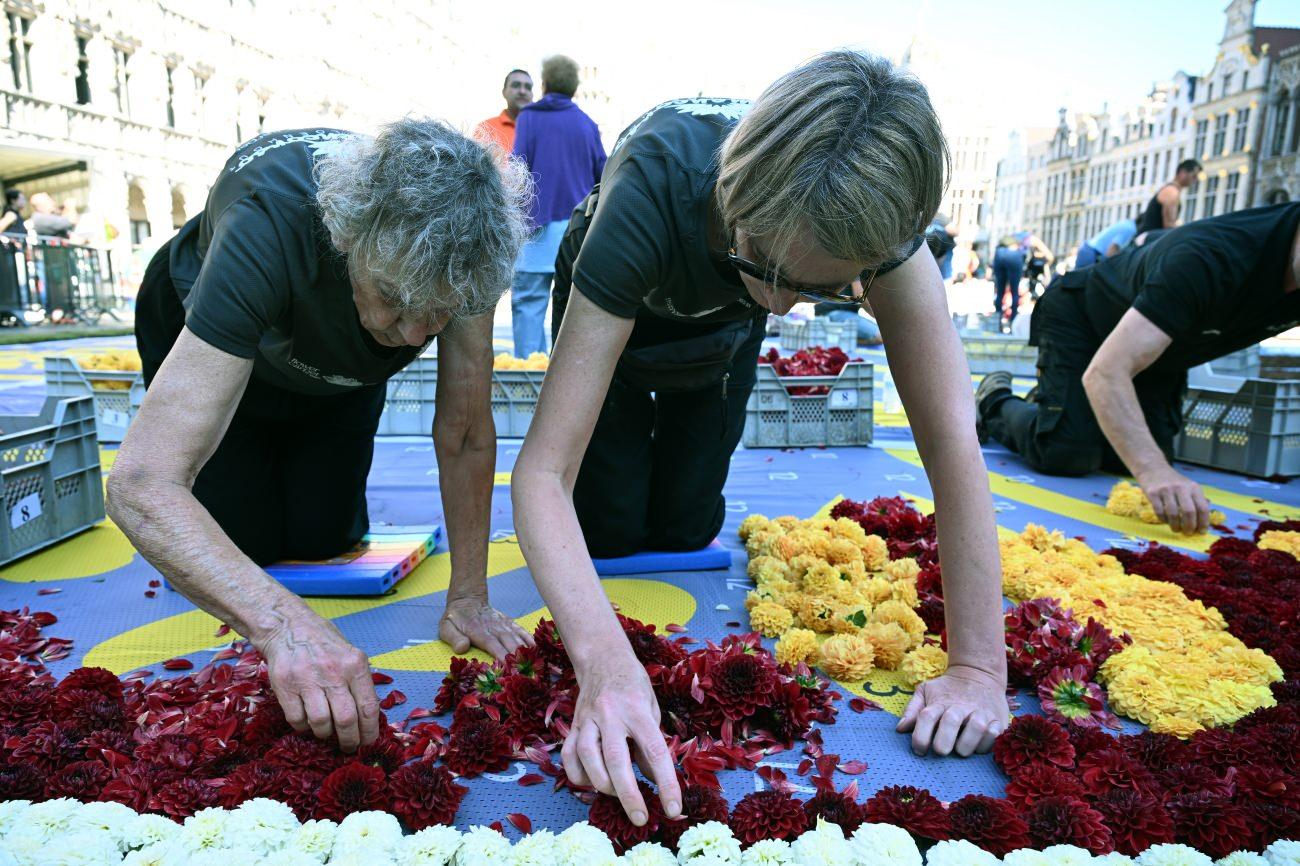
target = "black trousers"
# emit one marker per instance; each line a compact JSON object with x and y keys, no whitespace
{"x":288,"y":480}
{"x":1058,"y":433}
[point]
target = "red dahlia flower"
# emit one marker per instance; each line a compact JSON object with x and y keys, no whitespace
{"x":840,"y":808}
{"x":1136,"y":820}
{"x":1182,"y":779}
{"x":21,"y":782}
{"x":457,"y":683}
{"x":251,"y":780}
{"x":1033,"y":740}
{"x":1271,"y":822}
{"x":353,"y":787}
{"x":85,"y":711}
{"x":1156,"y":752}
{"x":423,"y":794}
{"x":1066,"y":821}
{"x":1089,"y":740}
{"x":82,"y":780}
{"x":99,"y":680}
{"x":266,"y":725}
{"x":1108,"y":769}
{"x":135,"y":785}
{"x":302,"y":752}
{"x":608,"y":816}
{"x":740,"y":683}
{"x":699,"y":805}
{"x":650,"y":648}
{"x":914,"y":809}
{"x":525,"y":700}
{"x":180,"y":799}
{"x":1068,"y":695}
{"x":300,"y":791}
{"x":1034,"y":782}
{"x":47,"y":746}
{"x":21,"y":706}
{"x":990,"y":823}
{"x":478,"y":746}
{"x":385,"y":752}
{"x":767,"y":814}
{"x":1210,"y":823}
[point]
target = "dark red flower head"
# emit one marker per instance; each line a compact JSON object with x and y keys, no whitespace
{"x":266,"y":725}
{"x":1273,"y":784}
{"x":914,"y":809}
{"x":1183,"y":779}
{"x":1034,"y":782}
{"x":478,"y":746}
{"x":47,"y":746}
{"x":423,"y":794}
{"x":1107,"y":769}
{"x":300,"y":791}
{"x":699,"y":805}
{"x":21,"y":782}
{"x":302,"y":752}
{"x":990,"y":823}
{"x":1210,"y":823}
{"x":1136,"y":820}
{"x":385,"y":752}
{"x":608,"y":816}
{"x":99,"y":680}
{"x":457,"y":683}
{"x":81,"y":780}
{"x":23,"y":706}
{"x":525,"y":700}
{"x":1067,"y":821}
{"x":182,"y":798}
{"x":353,"y":787}
{"x":86,"y":711}
{"x":789,"y":715}
{"x":1032,"y":740}
{"x":1156,"y":752}
{"x":251,"y":780}
{"x":838,"y":807}
{"x":741,"y":683}
{"x":95,"y":746}
{"x":1089,"y":739}
{"x":767,"y":814}
{"x":134,"y":785}
{"x":650,"y":648}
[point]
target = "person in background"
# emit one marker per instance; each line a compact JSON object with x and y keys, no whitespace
{"x":1106,"y":243}
{"x":1038,"y":258}
{"x":1162,"y":211}
{"x":11,"y":220}
{"x":561,"y":146}
{"x":942,"y":224}
{"x":868,"y":332}
{"x":46,"y":221}
{"x":500,"y":130}
{"x":1008,"y":267}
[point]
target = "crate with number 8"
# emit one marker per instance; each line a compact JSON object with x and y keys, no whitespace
{"x":811,"y":411}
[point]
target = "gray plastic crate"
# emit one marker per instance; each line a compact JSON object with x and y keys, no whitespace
{"x":50,"y":481}
{"x":115,"y":408}
{"x":775,"y":418}
{"x":1242,"y":363}
{"x":409,"y":406}
{"x":1250,"y":426}
{"x":819,"y":332}
{"x":988,"y":353}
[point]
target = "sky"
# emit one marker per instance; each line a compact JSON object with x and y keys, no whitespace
{"x":1013,"y":64}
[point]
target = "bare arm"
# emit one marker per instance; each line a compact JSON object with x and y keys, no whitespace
{"x":6,"y":220}
{"x":466,"y":444}
{"x":322,"y":682}
{"x":616,"y":702}
{"x":965,"y":709}
{"x":1134,"y":345}
{"x":1168,"y":198}
{"x":1113,"y":250}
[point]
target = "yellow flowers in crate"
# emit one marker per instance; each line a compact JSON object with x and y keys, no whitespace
{"x":114,"y":359}
{"x":507,"y":361}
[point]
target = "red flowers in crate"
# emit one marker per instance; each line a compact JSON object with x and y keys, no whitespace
{"x":814,"y":361}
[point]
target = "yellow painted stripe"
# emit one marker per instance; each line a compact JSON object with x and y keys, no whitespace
{"x":502,"y":479}
{"x":1068,"y":506}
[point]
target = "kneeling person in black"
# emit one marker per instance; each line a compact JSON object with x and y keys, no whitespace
{"x":1115,"y":342}
{"x":323,"y":263}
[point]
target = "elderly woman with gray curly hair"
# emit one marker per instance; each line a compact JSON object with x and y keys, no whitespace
{"x":323,"y":263}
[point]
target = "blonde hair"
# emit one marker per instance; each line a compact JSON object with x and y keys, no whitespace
{"x":560,"y":74}
{"x":846,"y":145}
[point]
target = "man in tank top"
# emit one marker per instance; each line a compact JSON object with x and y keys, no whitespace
{"x":1162,"y":210}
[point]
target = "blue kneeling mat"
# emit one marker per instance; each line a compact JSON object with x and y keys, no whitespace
{"x":709,"y":558}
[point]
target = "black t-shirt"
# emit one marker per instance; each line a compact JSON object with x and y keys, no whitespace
{"x":260,"y":279}
{"x":1214,"y":286}
{"x":647,"y":248}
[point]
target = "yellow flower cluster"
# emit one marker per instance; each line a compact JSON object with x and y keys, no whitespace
{"x":507,"y":361}
{"x":1287,"y":542}
{"x":827,"y":581}
{"x":924,"y":663}
{"x":113,"y":359}
{"x":1184,"y":671}
{"x":1128,"y":500}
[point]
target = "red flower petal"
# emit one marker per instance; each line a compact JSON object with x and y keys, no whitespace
{"x":223,"y":630}
{"x":530,"y":779}
{"x":496,"y":825}
{"x":861,"y":705}
{"x":392,"y":699}
{"x":154,"y":584}
{"x":49,"y":590}
{"x":138,"y":675}
{"x":672,"y":627}
{"x":853,"y":768}
{"x":178,"y":664}
{"x":380,"y":679}
{"x":149,"y":593}
{"x":521,"y":822}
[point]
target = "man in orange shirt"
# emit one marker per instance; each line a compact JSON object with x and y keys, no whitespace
{"x":500,"y":130}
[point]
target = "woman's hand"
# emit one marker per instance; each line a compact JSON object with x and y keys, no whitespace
{"x":616,"y":704}
{"x":470,"y":620}
{"x":963,"y":711}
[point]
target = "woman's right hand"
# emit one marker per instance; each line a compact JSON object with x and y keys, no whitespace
{"x":616,"y":704}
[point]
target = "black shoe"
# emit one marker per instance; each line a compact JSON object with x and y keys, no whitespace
{"x":992,"y":391}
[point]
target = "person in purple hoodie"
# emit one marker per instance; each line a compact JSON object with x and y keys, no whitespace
{"x":561,"y":146}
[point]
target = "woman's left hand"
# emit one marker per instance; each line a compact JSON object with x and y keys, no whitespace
{"x":470,"y":620}
{"x":962,"y":711}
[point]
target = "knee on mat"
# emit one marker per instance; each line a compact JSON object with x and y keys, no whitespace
{"x":1070,"y":459}
{"x":612,"y":546}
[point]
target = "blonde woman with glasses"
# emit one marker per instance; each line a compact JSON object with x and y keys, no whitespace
{"x":710,"y":214}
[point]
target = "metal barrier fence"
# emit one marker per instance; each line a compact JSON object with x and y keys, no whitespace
{"x":54,"y":280}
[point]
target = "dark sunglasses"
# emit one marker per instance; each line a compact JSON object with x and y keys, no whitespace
{"x":773,"y":277}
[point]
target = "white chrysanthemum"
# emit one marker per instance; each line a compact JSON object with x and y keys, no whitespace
{"x":289,"y":857}
{"x":710,"y":838}
{"x":1113,"y":859}
{"x":216,"y":857}
{"x":1027,"y":857}
{"x":535,"y":849}
{"x":115,"y":819}
{"x":884,"y":844}
{"x":648,"y":854}
{"x":432,"y":846}
{"x":772,"y":852}
{"x":822,"y":846}
{"x":1173,"y":855}
{"x":1242,"y":858}
{"x":23,"y":848}
{"x":959,"y":853}
{"x":148,"y":830}
{"x":85,"y":848}
{"x":7,"y":859}
{"x":49,"y":819}
{"x":204,"y":830}
{"x":582,"y":845}
{"x":264,"y":825}
{"x":1067,"y":855}
{"x":10,"y":811}
{"x":154,"y":854}
{"x":482,"y":846}
{"x":1283,"y":853}
{"x":315,"y":839}
{"x":376,"y":833}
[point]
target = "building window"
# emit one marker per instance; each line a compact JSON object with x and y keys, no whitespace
{"x":1209,"y":92}
{"x":122,"y":79}
{"x":200,"y":97}
{"x":1211,"y":194}
{"x":1227,"y":83}
{"x":83,"y":72}
{"x":20,"y":49}
{"x":1143,"y":178}
{"x":1193,"y":195}
{"x":1173,"y":118}
{"x":1281,"y":114}
{"x":1230,"y":193}
{"x":1220,"y":134}
{"x":1201,"y":127}
{"x":1245,"y":79}
{"x":1239,"y":135}
{"x":171,"y":97}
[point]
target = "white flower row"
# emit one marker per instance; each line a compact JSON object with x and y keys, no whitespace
{"x":266,"y":833}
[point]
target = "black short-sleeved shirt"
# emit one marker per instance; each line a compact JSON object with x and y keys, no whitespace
{"x":647,"y":248}
{"x":1214,"y":286}
{"x":260,"y":279}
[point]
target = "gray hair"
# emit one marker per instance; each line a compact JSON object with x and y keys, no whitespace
{"x":845,"y":145}
{"x":429,"y":211}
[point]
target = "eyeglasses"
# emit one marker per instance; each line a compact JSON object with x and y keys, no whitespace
{"x":771,"y":276}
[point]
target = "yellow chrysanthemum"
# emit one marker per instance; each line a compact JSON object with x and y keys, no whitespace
{"x":817,"y":612}
{"x":897,"y":612}
{"x":851,"y":530}
{"x":923,"y":663}
{"x":788,"y":522}
{"x":770,"y":619}
{"x":823,"y":579}
{"x":847,"y":657}
{"x":905,"y":591}
{"x":1176,"y":726}
{"x":875,"y":553}
{"x":1287,"y":542}
{"x":902,"y":569}
{"x":1128,"y":500}
{"x":767,"y":568}
{"x":850,"y":618}
{"x":889,"y":641}
{"x":875,"y":590}
{"x":795,"y":646}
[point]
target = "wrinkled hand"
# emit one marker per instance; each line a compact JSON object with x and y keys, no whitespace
{"x":470,"y":620}
{"x":963,"y":711}
{"x":322,"y":682}
{"x":1177,"y":500}
{"x":616,"y":704}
